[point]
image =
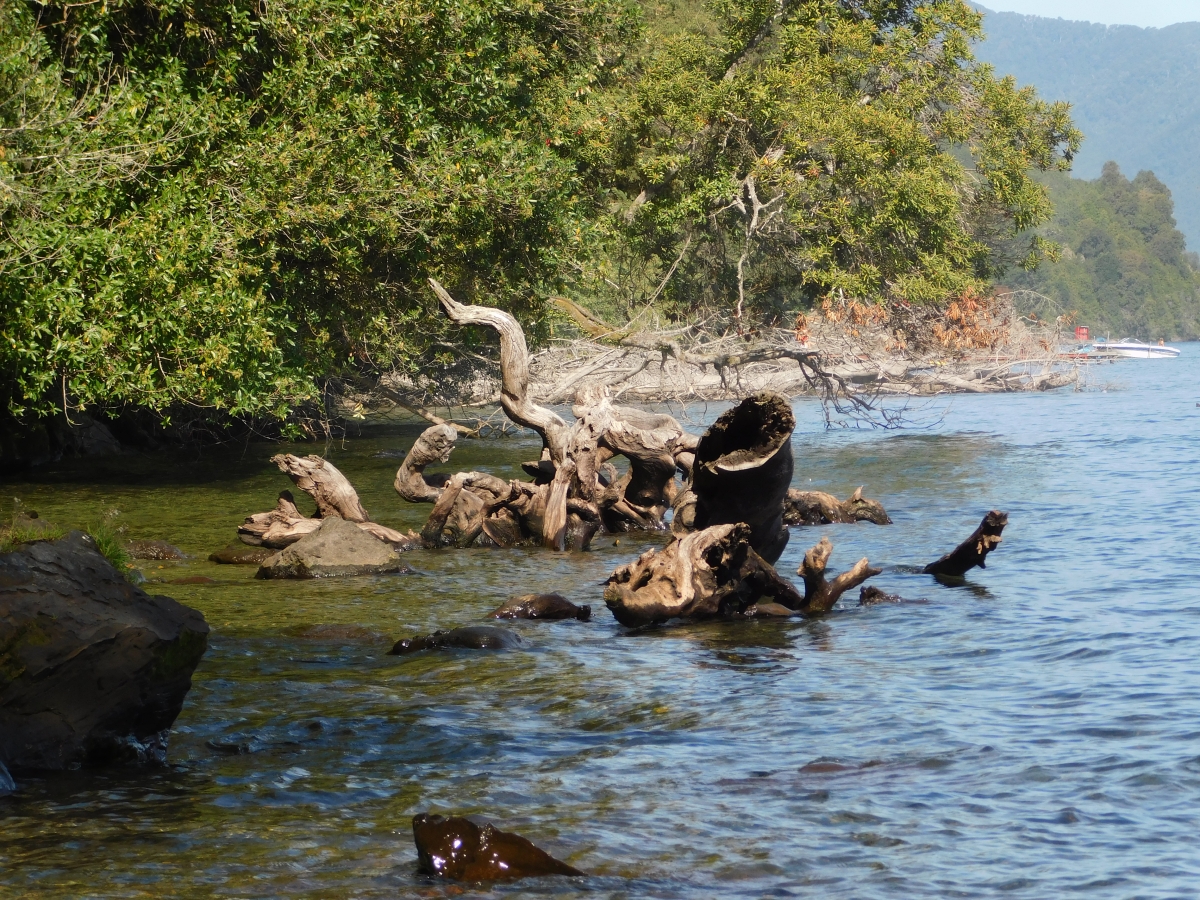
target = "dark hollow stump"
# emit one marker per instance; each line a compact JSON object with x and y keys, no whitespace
{"x":819,"y":508}
{"x":974,"y":550}
{"x":708,"y":574}
{"x":742,"y":470}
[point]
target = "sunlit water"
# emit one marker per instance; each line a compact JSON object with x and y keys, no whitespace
{"x":1034,"y":732}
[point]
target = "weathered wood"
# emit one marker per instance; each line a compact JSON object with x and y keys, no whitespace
{"x":707,"y":574}
{"x":820,"y":594}
{"x":742,"y":470}
{"x":974,"y":550}
{"x":277,"y":528}
{"x":819,"y":508}
{"x":514,"y":371}
{"x":433,"y":446}
{"x":321,"y":480}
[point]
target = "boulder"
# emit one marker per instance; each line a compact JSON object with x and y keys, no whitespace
{"x":238,"y":554}
{"x":470,"y":637}
{"x":337,"y":547}
{"x":542,"y":606}
{"x":153,"y":550}
{"x":456,"y":848}
{"x":91,"y":667}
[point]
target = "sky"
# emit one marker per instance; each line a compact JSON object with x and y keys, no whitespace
{"x":1146,"y":13}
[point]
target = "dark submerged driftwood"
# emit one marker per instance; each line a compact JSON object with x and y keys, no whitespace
{"x":974,"y":550}
{"x":819,"y":508}
{"x":458,"y":849}
{"x":542,"y":606}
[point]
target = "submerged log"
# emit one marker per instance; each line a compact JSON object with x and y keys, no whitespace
{"x":742,"y":469}
{"x":974,"y":550}
{"x":458,"y":849}
{"x":820,"y":594}
{"x":708,"y":574}
{"x":819,"y":508}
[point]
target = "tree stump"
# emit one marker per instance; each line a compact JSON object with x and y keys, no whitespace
{"x":742,"y":470}
{"x":820,"y":595}
{"x":819,"y":508}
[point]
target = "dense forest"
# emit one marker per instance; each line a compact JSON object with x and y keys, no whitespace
{"x":1132,"y":92}
{"x":1124,"y":268}
{"x":222,"y":208}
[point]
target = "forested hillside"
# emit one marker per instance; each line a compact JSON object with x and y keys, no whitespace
{"x":1124,"y":268}
{"x":1133,"y":93}
{"x":227,"y":207}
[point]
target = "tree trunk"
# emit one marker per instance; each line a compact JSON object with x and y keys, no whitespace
{"x":319,"y":479}
{"x":706,"y":574}
{"x":974,"y":550}
{"x":742,"y":470}
{"x":820,"y":595}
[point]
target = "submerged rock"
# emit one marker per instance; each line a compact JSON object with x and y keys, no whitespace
{"x":239,"y":554}
{"x":336,"y":548}
{"x":91,"y":667}
{"x":458,"y":849}
{"x":871,"y":595}
{"x":153,"y":550}
{"x":542,"y":606}
{"x":472,"y":637}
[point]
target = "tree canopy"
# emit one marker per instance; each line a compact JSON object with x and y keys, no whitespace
{"x":223,"y":205}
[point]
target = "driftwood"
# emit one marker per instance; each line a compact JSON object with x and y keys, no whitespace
{"x":819,"y":508}
{"x":974,"y":550}
{"x":707,"y":574}
{"x":741,"y":470}
{"x":433,"y":446}
{"x":820,"y":595}
{"x":321,"y":480}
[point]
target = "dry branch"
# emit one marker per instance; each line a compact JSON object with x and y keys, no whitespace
{"x":820,"y":595}
{"x":974,"y":550}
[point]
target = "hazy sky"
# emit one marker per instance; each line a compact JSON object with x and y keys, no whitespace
{"x":1147,"y":13}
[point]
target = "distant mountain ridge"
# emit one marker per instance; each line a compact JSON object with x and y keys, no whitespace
{"x":1135,"y":92}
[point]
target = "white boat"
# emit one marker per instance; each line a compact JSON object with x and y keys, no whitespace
{"x":1136,"y":349}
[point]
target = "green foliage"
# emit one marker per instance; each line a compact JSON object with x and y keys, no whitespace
{"x":1132,"y":92}
{"x":109,"y":543}
{"x":1123,"y":267}
{"x":812,"y":148}
{"x":218,"y":204}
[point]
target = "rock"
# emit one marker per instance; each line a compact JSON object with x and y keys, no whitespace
{"x":458,"y":849}
{"x":30,"y":523}
{"x":542,"y":606}
{"x":7,"y":785}
{"x":91,"y":667}
{"x":239,"y":554}
{"x":472,"y":637}
{"x":153,"y":550}
{"x":870,"y":595}
{"x":337,"y":547}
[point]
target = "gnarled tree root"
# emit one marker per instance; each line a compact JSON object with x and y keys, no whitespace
{"x":974,"y":550}
{"x":820,"y":594}
{"x":819,"y":508}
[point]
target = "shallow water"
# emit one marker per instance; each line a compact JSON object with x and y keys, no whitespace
{"x":1034,"y":732}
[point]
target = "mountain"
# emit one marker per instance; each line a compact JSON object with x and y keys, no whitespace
{"x":1124,"y":268}
{"x":1135,"y":92}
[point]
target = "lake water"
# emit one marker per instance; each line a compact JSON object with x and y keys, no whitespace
{"x":1034,"y":732}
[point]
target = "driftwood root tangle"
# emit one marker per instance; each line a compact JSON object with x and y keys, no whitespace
{"x":820,"y":594}
{"x":819,"y":508}
{"x":321,"y":480}
{"x":974,"y":550}
{"x":433,"y":446}
{"x":708,"y":574}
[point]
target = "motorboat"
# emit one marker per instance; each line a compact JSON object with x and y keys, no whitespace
{"x":1136,"y":349}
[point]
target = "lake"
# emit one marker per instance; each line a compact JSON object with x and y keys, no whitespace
{"x":1032,"y":732}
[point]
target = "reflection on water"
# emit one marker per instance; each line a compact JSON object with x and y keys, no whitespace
{"x":1029,"y":731}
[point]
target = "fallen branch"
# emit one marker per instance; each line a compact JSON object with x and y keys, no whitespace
{"x":974,"y":550}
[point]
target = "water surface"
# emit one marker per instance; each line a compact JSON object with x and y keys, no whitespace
{"x":1033,"y":732}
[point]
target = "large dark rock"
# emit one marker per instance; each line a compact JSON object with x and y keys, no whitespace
{"x":542,"y":606}
{"x":153,"y":550}
{"x":91,"y":667}
{"x":456,"y":848}
{"x":338,"y":547}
